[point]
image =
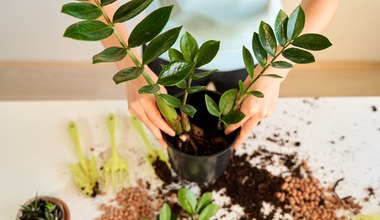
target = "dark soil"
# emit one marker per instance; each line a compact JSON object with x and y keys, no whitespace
{"x":163,"y":171}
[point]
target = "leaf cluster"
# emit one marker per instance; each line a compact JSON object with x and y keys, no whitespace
{"x":203,"y":209}
{"x":40,"y":209}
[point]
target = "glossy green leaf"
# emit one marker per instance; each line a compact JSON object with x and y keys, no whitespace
{"x":92,"y":30}
{"x":298,"y":56}
{"x":203,"y":74}
{"x":281,"y":64}
{"x":232,"y":117}
{"x":174,"y":72}
{"x":112,"y":54}
{"x":260,"y":53}
{"x":204,"y":201}
{"x":127,"y":74}
{"x":209,"y":211}
{"x":273,"y":76}
{"x":258,"y":94}
{"x":206,"y":53}
{"x":211,"y":106}
{"x":82,"y":10}
{"x":280,"y":27}
{"x":130,"y":10}
{"x":267,"y":38}
{"x":160,"y":44}
{"x":248,"y":61}
{"x":227,"y":101}
{"x":189,"y":46}
{"x":182,"y":84}
{"x":187,"y":200}
{"x":195,"y":89}
{"x":241,"y":87}
{"x":149,"y":27}
{"x":149,"y":89}
{"x":296,"y":23}
{"x":188,"y":110}
{"x":171,"y":100}
{"x":175,"y":55}
{"x":312,"y":42}
{"x":165,"y":212}
{"x":106,"y":2}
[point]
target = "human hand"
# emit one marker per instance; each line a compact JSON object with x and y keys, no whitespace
{"x":143,"y":106}
{"x":256,"y":109}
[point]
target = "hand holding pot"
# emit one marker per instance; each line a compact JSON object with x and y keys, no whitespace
{"x":144,"y":107}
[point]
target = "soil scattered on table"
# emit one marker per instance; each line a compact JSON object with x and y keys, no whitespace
{"x":163,"y":171}
{"x":374,"y":108}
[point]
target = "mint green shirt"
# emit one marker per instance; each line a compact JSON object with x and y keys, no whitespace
{"x":230,"y":21}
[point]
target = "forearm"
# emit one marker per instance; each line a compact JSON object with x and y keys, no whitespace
{"x":319,"y":14}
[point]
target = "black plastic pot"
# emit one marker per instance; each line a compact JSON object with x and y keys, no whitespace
{"x":201,"y":169}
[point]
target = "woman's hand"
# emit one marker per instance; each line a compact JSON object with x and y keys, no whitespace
{"x":256,"y":109}
{"x":144,"y":107}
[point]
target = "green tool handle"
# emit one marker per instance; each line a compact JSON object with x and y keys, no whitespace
{"x":74,"y":134}
{"x":111,"y":121}
{"x":138,"y":126}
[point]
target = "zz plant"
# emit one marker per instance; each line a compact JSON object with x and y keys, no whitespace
{"x":180,"y":70}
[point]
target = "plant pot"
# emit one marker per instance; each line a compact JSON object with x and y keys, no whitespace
{"x":61,"y":205}
{"x":205,"y":168}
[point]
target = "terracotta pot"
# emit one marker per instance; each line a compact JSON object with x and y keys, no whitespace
{"x":61,"y":204}
{"x":200,"y":169}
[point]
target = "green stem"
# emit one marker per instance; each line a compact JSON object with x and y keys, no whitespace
{"x":185,"y":118}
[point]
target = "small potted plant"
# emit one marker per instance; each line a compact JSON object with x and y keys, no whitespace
{"x":44,"y":208}
{"x":194,"y":154}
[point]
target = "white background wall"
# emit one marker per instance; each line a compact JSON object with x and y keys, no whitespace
{"x":32,"y":31}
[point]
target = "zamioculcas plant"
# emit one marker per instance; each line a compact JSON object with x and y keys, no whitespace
{"x":267,"y":46}
{"x":203,"y":209}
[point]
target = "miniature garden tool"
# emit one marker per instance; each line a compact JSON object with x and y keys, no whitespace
{"x":152,"y":154}
{"x":116,"y":165}
{"x":86,"y":172}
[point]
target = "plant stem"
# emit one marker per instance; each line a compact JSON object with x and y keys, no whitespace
{"x":241,"y":98}
{"x":185,"y":118}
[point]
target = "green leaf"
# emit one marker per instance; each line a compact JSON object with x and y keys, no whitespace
{"x":189,"y":46}
{"x":187,"y":200}
{"x":149,"y":27}
{"x":280,"y":27}
{"x":165,"y":212}
{"x":258,"y":94}
{"x":149,"y":89}
{"x":248,"y":61}
{"x":273,"y":76}
{"x":211,"y":106}
{"x":227,"y":100}
{"x":111,"y":54}
{"x":188,"y":110}
{"x":260,"y":53}
{"x":160,"y":44}
{"x":206,"y":53}
{"x":205,"y":200}
{"x":209,"y":211}
{"x":296,"y":23}
{"x":175,"y":55}
{"x":298,"y":56}
{"x":127,"y":74}
{"x":195,"y":89}
{"x":82,"y":10}
{"x":171,"y":100}
{"x":106,"y":2}
{"x":312,"y":42}
{"x":174,"y":72}
{"x":281,"y":64}
{"x":203,"y":75}
{"x":88,"y":31}
{"x":182,"y":84}
{"x":267,"y":38}
{"x":233,"y":117}
{"x":130,"y":10}
{"x":241,"y":87}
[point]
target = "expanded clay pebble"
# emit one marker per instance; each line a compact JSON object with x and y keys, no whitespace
{"x":305,"y":198}
{"x":132,"y":203}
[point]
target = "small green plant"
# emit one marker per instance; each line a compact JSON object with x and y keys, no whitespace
{"x":203,"y":209}
{"x":40,"y":209}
